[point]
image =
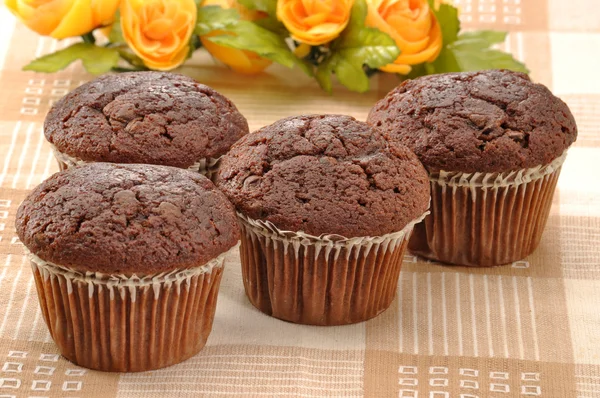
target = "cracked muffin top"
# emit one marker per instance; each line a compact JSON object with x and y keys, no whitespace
{"x":488,"y":121}
{"x":127,"y":219}
{"x":325,"y":174}
{"x":144,"y":117}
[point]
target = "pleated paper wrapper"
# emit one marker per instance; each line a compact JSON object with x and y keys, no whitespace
{"x":325,"y":280}
{"x":206,"y":166}
{"x":128,"y":324}
{"x":486,"y":219}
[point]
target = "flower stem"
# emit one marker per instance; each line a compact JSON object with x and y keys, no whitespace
{"x":89,"y":38}
{"x":122,"y":69}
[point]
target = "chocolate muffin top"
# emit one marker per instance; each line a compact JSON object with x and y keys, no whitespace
{"x":127,"y":219}
{"x":144,"y":117}
{"x":488,"y":121}
{"x":325,"y":174}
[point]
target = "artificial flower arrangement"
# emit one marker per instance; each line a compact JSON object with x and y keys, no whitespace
{"x":351,"y":39}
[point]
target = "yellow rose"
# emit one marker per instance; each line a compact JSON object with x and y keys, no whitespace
{"x":314,"y":22}
{"x":414,"y":28}
{"x":241,"y":61}
{"x":64,"y":18}
{"x":159,"y":31}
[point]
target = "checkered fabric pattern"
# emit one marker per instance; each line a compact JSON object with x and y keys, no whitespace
{"x":527,"y":329}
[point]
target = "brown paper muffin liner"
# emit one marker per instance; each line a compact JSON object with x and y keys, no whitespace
{"x":486,"y":219}
{"x":128,"y":324}
{"x":325,"y":280}
{"x":205,"y":166}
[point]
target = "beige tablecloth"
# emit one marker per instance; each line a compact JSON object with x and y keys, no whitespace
{"x":527,"y":329}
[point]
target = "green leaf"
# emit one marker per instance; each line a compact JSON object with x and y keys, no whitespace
{"x":489,"y":36}
{"x":116,"y":33}
{"x":212,"y":18}
{"x":268,"y":6}
{"x":478,"y":41}
{"x":247,"y":36}
{"x":445,"y":62}
{"x":357,"y":46}
{"x":324,"y":71}
{"x":130,"y":57}
{"x":473,"y":60}
{"x":416,"y":71}
{"x":472,"y":52}
{"x":251,"y":37}
{"x":96,"y":60}
{"x":358,"y":15}
{"x":270,"y":22}
{"x":305,"y":66}
{"x":352,"y":75}
{"x":469,"y":51}
{"x":447,"y":17}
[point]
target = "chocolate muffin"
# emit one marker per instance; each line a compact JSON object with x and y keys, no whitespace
{"x":326,"y":207}
{"x":493,"y":143}
{"x":127,"y":261}
{"x":144,"y":117}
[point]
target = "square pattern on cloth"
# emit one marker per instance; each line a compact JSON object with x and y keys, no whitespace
{"x":528,"y":329}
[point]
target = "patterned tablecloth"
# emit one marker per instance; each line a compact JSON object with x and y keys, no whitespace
{"x":527,"y":329}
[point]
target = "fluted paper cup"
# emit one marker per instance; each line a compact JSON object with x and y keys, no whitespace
{"x":325,"y":280}
{"x":486,"y":219}
{"x":205,"y":166}
{"x":128,"y":324}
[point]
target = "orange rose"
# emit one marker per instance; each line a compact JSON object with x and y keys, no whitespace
{"x":159,"y":31}
{"x":414,"y":28}
{"x":314,"y":22}
{"x":64,"y":18}
{"x":241,"y":61}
